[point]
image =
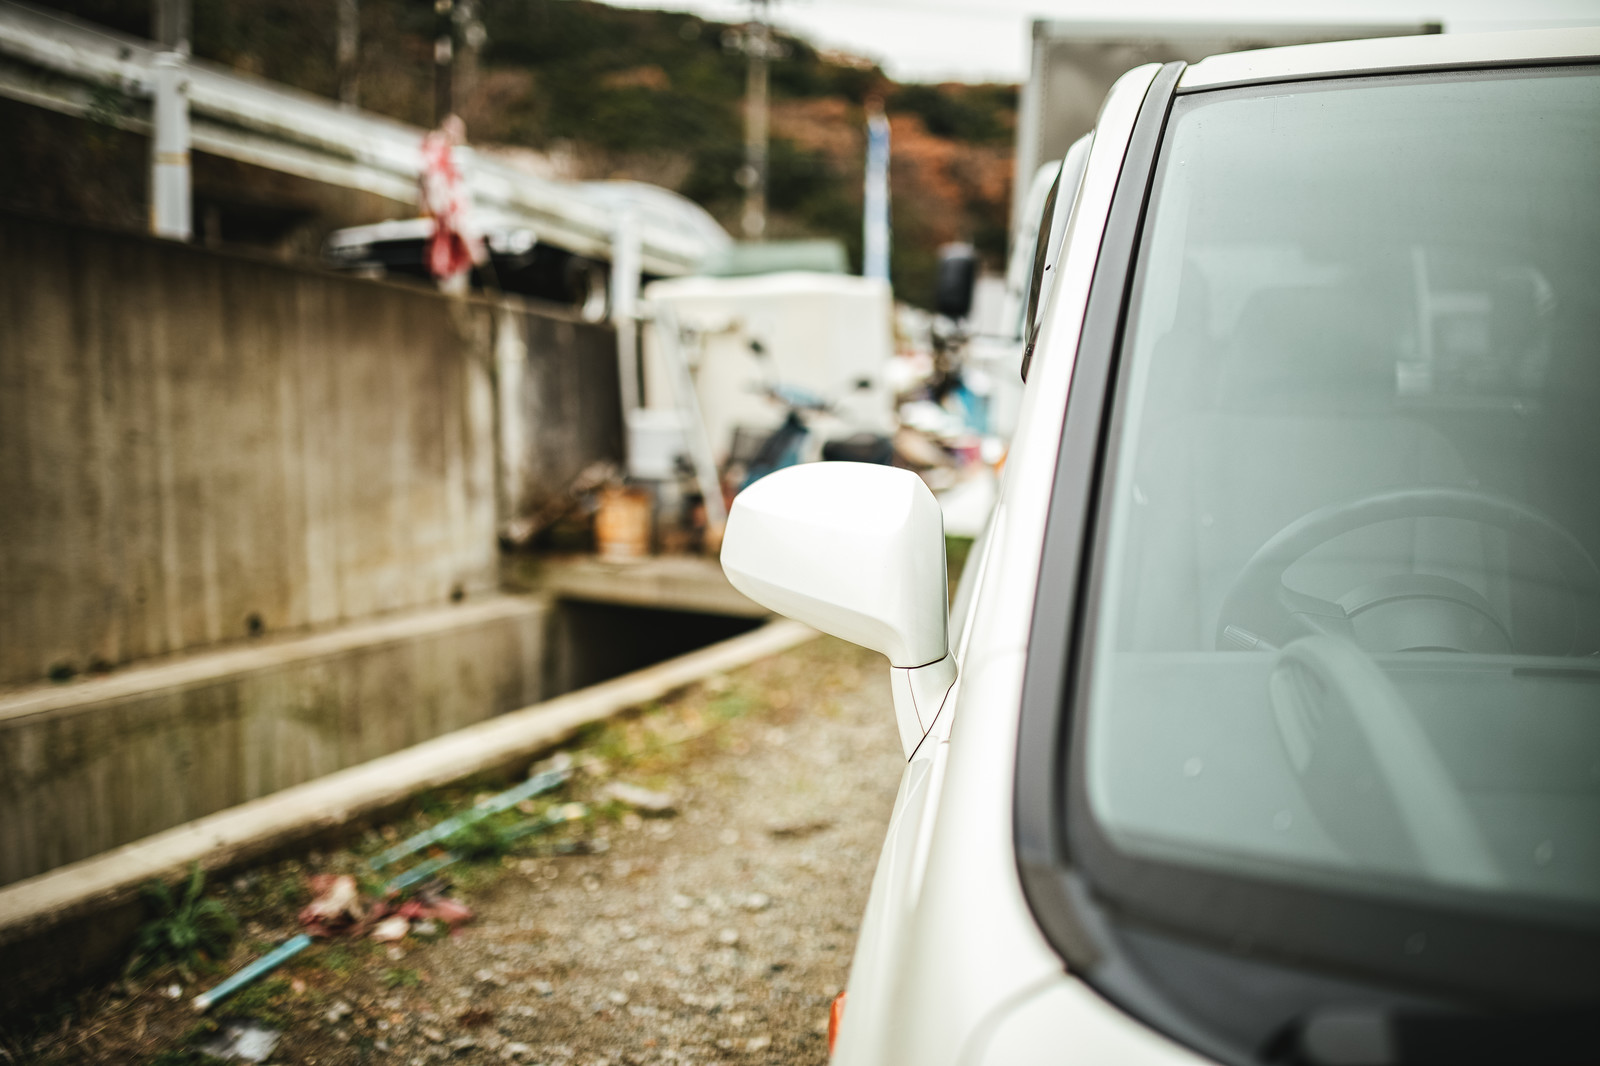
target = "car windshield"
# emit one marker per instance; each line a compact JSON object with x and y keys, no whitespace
{"x":1348,"y":631}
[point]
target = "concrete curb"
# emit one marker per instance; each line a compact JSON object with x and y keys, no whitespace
{"x":32,"y":907}
{"x":230,"y":663}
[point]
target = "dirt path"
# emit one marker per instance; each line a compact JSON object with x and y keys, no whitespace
{"x":719,"y":934}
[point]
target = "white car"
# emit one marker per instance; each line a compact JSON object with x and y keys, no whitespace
{"x":1267,"y":725}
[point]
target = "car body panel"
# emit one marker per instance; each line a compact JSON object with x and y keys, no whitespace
{"x":968,"y":947}
{"x":1030,"y":1034}
{"x":862,"y":1036}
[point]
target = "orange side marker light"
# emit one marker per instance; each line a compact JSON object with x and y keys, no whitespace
{"x":835,"y":1019}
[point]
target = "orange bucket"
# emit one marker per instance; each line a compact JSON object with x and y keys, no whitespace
{"x":622,"y":524}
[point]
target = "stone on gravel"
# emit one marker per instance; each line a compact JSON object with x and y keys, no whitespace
{"x":391,"y":929}
{"x":243,"y":1041}
{"x":561,"y":760}
{"x":639,"y":798}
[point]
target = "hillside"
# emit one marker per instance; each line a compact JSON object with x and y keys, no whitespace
{"x":609,"y":92}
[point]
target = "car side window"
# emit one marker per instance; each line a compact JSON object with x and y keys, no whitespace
{"x":1047,"y":249}
{"x":1041,"y":250}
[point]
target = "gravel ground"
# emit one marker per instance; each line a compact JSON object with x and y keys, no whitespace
{"x":717,"y":934}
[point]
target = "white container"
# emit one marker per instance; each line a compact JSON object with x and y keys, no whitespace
{"x":824,"y":333}
{"x":656,"y":440}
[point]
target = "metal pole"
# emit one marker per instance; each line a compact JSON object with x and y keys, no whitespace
{"x":349,"y":52}
{"x":625,"y":269}
{"x":758,"y":44}
{"x":670,"y":334}
{"x":169,"y":25}
{"x":443,"y":54}
{"x":171,"y":211}
{"x":875,"y":201}
{"x":473,"y":35}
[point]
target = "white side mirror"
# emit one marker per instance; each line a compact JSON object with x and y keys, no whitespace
{"x":856,"y":550}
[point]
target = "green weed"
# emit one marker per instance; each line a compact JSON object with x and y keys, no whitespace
{"x":401,"y":977}
{"x":731,"y":704}
{"x":182,"y":929}
{"x":261,"y":1001}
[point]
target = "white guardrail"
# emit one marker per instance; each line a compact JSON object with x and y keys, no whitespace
{"x":66,"y":65}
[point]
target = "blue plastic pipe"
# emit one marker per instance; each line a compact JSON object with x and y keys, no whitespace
{"x":265,"y":964}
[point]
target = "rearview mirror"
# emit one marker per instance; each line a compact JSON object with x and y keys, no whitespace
{"x":856,"y":550}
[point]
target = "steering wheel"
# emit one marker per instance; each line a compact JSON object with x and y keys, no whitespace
{"x":1403,"y":612}
{"x":1368,"y":770}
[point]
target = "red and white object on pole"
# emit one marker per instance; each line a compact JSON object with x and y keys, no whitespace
{"x":455,"y":245}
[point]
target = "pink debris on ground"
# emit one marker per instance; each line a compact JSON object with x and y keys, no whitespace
{"x":430,"y":903}
{"x":338,"y":909}
{"x":336,"y":906}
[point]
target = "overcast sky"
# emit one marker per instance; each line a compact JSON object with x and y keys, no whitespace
{"x":987,"y":40}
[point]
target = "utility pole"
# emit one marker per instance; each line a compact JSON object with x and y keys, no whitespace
{"x":349,"y":52}
{"x":443,"y":54}
{"x":171,"y":206}
{"x":875,"y":201}
{"x":468,"y":21}
{"x":758,"y":48}
{"x":169,"y":25}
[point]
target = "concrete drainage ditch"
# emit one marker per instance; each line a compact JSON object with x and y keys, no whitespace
{"x":234,"y":755}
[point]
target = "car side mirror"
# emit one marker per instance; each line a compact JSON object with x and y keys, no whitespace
{"x":856,"y":550}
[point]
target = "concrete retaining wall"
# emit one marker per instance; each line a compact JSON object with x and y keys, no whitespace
{"x":92,"y":765}
{"x":262,"y":486}
{"x":196,"y":448}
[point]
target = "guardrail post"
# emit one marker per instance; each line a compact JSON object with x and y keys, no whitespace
{"x":171,"y":212}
